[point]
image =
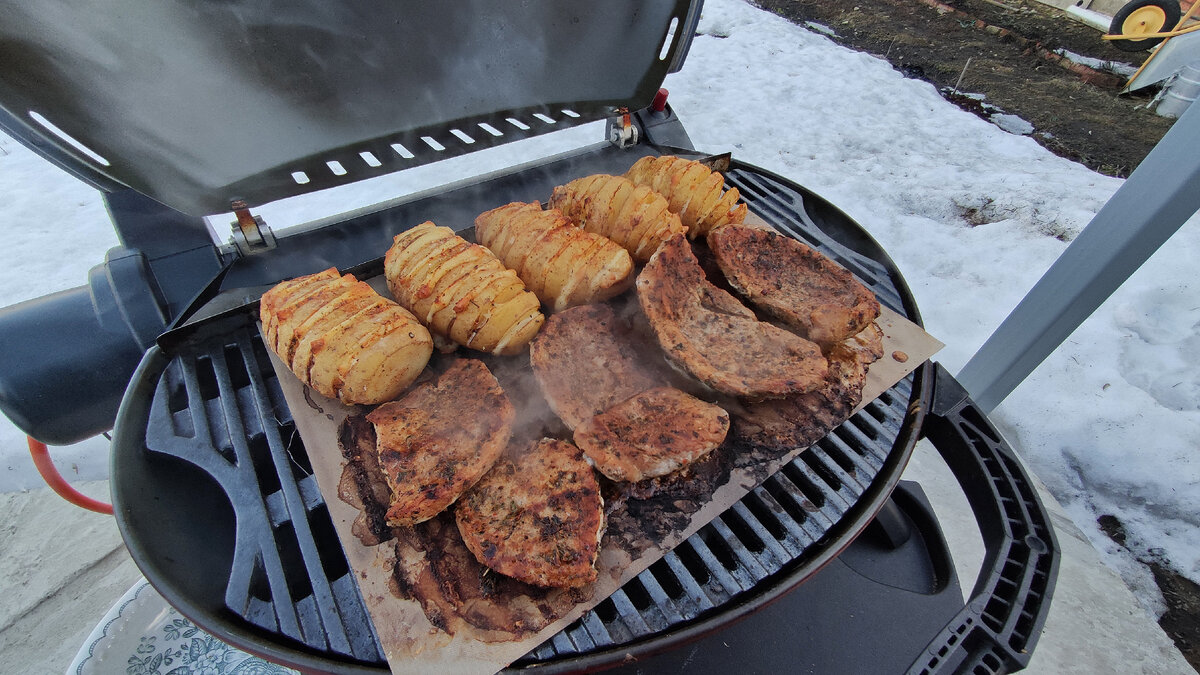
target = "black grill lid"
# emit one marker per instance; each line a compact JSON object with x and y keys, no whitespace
{"x":202,"y":103}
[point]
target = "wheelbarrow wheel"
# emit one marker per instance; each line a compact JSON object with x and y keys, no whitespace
{"x":1144,"y":17}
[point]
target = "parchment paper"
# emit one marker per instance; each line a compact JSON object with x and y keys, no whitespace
{"x":414,"y":644}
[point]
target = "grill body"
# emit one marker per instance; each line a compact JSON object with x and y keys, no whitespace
{"x":209,"y":473}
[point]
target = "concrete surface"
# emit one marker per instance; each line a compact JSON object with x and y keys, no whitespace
{"x":64,"y":567}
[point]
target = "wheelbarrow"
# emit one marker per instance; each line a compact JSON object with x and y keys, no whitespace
{"x":1142,"y":24}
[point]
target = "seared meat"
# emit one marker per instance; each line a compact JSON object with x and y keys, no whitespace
{"x":709,"y":333}
{"x":362,"y":484}
{"x":652,"y":434}
{"x":584,"y":360}
{"x":793,"y":283}
{"x":799,"y":421}
{"x":536,"y":516}
{"x":434,"y":567}
{"x":857,"y":352}
{"x":440,"y":439}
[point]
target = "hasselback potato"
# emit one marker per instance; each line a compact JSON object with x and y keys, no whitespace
{"x":562,"y":264}
{"x":342,"y":338}
{"x":634,"y":216}
{"x":693,"y":191}
{"x":461,"y":291}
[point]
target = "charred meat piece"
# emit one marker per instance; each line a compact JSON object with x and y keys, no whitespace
{"x":458,"y":594}
{"x":799,"y":421}
{"x":793,"y":283}
{"x":584,"y":361}
{"x":858,"y":351}
{"x":652,"y":434}
{"x":714,"y":337}
{"x":362,"y":484}
{"x":440,"y":439}
{"x":536,"y":516}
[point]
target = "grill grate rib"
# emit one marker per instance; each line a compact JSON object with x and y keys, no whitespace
{"x":219,"y":406}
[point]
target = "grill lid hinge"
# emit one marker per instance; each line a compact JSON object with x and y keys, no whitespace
{"x":620,"y":130}
{"x":250,"y":233}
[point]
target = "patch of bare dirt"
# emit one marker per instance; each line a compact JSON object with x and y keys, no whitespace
{"x":1010,"y":46}
{"x":1181,"y":595}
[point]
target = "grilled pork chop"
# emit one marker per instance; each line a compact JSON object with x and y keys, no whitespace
{"x":440,"y":438}
{"x":652,"y":434}
{"x":583,"y":360}
{"x":710,"y":334}
{"x":362,"y":484}
{"x":793,"y":283}
{"x":434,"y":567}
{"x":799,"y":421}
{"x":537,"y":516}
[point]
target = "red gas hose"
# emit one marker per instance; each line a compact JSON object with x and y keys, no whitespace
{"x":41,"y":459}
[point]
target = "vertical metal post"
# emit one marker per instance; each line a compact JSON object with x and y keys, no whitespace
{"x":1159,"y":196}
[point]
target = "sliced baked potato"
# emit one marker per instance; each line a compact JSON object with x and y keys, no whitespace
{"x":693,"y":191}
{"x":634,"y":216}
{"x":342,"y":339}
{"x":562,"y":264}
{"x":461,"y":290}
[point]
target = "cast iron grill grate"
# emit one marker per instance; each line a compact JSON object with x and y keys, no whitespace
{"x":219,"y":406}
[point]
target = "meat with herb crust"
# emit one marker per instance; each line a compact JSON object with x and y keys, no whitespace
{"x":584,"y":361}
{"x":795,"y":284}
{"x":439,"y":439}
{"x":714,"y":337}
{"x":652,"y":434}
{"x":537,"y":516}
{"x":799,"y":421}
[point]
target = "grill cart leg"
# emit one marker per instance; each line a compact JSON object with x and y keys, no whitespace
{"x":1160,"y":195}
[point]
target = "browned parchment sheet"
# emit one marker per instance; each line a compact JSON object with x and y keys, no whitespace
{"x":639,"y":531}
{"x":413,"y":644}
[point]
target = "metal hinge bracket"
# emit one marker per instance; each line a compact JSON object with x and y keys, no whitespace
{"x":250,"y":233}
{"x":621,"y":130}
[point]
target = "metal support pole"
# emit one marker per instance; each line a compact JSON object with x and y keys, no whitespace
{"x":1159,"y":196}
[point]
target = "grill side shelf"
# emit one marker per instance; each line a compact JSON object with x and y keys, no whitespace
{"x":999,"y":627}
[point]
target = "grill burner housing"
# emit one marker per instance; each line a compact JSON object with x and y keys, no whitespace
{"x":209,"y":474}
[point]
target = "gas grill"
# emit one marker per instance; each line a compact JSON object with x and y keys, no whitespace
{"x":212,"y":484}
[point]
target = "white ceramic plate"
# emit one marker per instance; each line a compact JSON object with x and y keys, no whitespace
{"x":143,"y":635}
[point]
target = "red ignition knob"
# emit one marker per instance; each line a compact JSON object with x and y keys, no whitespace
{"x":660,"y":101}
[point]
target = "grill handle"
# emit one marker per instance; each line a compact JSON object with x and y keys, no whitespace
{"x":997,"y":629}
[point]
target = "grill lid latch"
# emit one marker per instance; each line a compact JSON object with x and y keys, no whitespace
{"x":250,"y":233}
{"x":622,"y":132}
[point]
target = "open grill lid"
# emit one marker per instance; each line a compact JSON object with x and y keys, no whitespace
{"x":198,"y":105}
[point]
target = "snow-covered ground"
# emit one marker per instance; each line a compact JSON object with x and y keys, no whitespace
{"x":972,"y":215}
